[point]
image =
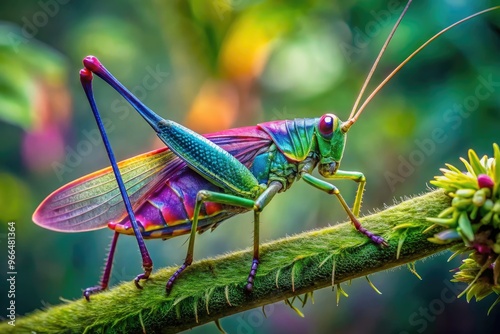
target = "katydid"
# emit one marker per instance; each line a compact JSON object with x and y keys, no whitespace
{"x":198,"y":181}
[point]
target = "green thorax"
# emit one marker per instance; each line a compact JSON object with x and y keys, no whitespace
{"x":297,"y":138}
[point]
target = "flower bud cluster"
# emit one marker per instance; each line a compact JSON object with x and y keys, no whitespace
{"x":474,"y":217}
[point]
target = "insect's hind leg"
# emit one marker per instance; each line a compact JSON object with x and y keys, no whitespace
{"x":103,"y":284}
{"x":86,"y":78}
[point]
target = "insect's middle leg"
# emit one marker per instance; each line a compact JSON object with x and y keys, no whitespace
{"x":331,"y":189}
{"x":261,"y":202}
{"x":209,"y":196}
{"x":201,"y":197}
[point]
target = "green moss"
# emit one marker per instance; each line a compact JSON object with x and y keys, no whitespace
{"x":214,"y":288}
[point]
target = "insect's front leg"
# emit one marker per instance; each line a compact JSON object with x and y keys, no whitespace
{"x":360,"y":179}
{"x":331,"y":189}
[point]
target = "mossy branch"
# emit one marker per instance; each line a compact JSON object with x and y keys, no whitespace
{"x":213,"y":288}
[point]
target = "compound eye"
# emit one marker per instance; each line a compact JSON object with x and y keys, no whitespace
{"x":327,"y":125}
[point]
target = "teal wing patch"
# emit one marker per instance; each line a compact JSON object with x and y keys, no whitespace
{"x":293,"y":138}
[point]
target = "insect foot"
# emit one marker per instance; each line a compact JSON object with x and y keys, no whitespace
{"x":251,"y":276}
{"x":373,"y":237}
{"x":171,"y":280}
{"x":138,"y":278}
{"x":92,"y":291}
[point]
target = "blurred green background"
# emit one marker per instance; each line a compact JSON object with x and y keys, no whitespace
{"x":220,"y":64}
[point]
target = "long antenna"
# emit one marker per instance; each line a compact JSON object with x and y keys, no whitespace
{"x":354,"y":118}
{"x":377,"y":60}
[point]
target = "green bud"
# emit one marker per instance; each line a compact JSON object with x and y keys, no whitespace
{"x":487,"y":218}
{"x":488,"y":205}
{"x":465,"y":193}
{"x":449,"y":222}
{"x":446,"y":212}
{"x":465,"y":226}
{"x":461,"y":203}
{"x":496,"y":207}
{"x":479,"y":197}
{"x":473,"y":213}
{"x":496,"y":221}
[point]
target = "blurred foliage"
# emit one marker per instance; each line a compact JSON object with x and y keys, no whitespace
{"x":34,"y":94}
{"x":217,"y":64}
{"x":25,"y":68}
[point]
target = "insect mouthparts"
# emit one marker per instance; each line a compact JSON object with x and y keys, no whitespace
{"x":328,"y":169}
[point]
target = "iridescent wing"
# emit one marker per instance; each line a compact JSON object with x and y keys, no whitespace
{"x":92,"y":201}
